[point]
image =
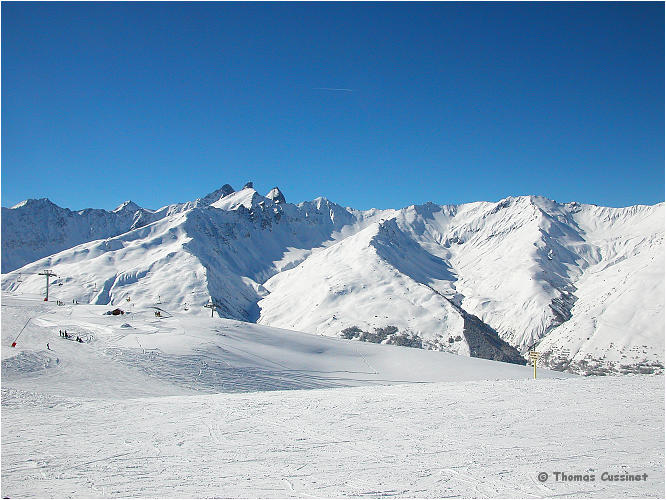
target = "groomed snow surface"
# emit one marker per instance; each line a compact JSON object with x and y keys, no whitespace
{"x":191,"y":406}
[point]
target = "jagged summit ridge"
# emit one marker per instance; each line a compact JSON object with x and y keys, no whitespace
{"x":34,"y":203}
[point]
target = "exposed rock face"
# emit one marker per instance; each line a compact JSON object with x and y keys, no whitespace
{"x":225,"y":190}
{"x":485,"y":343}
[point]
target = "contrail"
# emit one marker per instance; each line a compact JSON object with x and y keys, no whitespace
{"x":334,"y":90}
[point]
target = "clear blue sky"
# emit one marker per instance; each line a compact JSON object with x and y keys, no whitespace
{"x":449,"y":102}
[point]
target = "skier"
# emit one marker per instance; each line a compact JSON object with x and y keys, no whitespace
{"x":47,"y":346}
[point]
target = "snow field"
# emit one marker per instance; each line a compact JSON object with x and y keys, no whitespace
{"x":139,"y":355}
{"x":469,"y":439}
{"x":145,"y":409}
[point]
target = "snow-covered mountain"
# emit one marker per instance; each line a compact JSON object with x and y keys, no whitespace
{"x":584,"y":284}
{"x":36,"y":228}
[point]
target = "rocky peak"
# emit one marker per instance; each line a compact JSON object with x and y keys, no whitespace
{"x":276,"y":195}
{"x":217,"y":194}
{"x":127,"y":206}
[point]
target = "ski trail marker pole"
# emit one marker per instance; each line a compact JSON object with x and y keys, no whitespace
{"x":17,"y":337}
{"x":534,"y":356}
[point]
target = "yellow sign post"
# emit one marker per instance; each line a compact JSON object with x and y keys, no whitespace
{"x":534,"y":356}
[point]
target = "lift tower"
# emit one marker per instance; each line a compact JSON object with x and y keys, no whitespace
{"x":48,"y":273}
{"x":212,"y":306}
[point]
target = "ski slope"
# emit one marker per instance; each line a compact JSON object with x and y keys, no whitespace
{"x":186,"y":405}
{"x":181,"y":353}
{"x":466,"y":439}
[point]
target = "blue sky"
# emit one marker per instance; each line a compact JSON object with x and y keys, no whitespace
{"x":449,"y":102}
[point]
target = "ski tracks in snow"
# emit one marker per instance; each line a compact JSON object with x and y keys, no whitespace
{"x":471,"y":439}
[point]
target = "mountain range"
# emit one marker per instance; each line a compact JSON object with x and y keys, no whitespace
{"x":581,"y":284}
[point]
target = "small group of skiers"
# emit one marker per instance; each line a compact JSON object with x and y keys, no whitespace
{"x":66,"y":335}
